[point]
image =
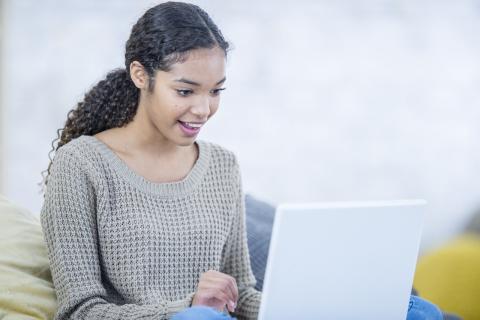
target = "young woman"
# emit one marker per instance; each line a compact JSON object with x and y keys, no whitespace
{"x":141,"y":219}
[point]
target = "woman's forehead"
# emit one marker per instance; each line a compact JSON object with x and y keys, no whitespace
{"x":201,"y":66}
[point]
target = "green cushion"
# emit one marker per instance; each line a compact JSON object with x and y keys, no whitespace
{"x":26,"y":289}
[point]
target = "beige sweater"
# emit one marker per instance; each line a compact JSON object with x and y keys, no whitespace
{"x":122,"y":247}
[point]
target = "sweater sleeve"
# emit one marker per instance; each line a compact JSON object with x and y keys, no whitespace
{"x":236,"y":259}
{"x":69,"y":222}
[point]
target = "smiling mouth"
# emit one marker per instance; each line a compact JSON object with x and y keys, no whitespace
{"x":190,"y":129}
{"x":191,"y":125}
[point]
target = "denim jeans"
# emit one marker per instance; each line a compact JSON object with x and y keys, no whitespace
{"x":200,"y":313}
{"x":418,"y":309}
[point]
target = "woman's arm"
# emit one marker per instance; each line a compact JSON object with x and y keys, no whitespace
{"x":236,"y":260}
{"x":69,"y":221}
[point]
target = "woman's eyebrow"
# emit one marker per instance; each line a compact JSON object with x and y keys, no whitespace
{"x":221,"y":81}
{"x":193,"y":83}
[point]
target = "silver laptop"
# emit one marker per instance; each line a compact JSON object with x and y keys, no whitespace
{"x":342,"y":260}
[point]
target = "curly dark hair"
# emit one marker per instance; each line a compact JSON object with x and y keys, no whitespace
{"x":161,"y":37}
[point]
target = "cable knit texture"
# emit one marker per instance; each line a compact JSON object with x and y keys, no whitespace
{"x":123,"y":247}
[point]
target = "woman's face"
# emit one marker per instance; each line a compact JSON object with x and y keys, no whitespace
{"x":185,"y":97}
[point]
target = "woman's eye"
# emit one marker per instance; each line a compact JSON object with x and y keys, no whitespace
{"x":184,"y":93}
{"x":216,"y":92}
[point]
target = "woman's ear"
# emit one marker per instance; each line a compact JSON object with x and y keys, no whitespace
{"x":139,"y":75}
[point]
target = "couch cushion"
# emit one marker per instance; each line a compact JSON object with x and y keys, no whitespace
{"x":450,"y":276}
{"x":25,"y":281}
{"x":259,"y":216}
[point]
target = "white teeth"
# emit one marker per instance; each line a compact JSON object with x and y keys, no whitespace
{"x":193,"y":125}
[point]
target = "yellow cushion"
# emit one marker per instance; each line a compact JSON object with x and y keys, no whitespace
{"x":26,"y":289}
{"x":450,"y":277}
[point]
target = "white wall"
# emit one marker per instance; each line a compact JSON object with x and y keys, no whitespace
{"x":2,"y":126}
{"x":326,"y":100}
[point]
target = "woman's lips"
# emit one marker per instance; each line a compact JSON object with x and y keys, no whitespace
{"x":188,"y":129}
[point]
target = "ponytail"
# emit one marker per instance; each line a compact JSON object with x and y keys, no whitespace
{"x":111,"y":103}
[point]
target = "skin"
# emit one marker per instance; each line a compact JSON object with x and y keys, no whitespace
{"x":154,"y":146}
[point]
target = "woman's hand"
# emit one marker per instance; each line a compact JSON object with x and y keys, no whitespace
{"x":216,"y":290}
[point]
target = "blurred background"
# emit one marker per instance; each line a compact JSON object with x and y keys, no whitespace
{"x":325,"y":100}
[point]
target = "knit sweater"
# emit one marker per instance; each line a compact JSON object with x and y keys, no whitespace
{"x":123,"y":247}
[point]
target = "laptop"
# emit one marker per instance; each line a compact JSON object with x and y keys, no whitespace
{"x":345,"y":260}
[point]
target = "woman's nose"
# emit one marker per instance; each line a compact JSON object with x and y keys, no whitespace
{"x":201,"y":107}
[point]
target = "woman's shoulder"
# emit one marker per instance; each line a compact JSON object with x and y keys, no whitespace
{"x":219,"y":153}
{"x":77,"y":147}
{"x":77,"y":152}
{"x":223,"y":161}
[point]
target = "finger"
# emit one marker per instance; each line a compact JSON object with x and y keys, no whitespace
{"x":231,"y":306}
{"x":212,"y":298}
{"x":221,"y":299}
{"x":213,"y":276}
{"x":225,"y":286}
{"x":232,"y":283}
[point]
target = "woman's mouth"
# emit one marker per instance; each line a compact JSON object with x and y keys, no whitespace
{"x":190,"y":128}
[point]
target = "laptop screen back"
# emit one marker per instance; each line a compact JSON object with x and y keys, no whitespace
{"x":342,"y":260}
